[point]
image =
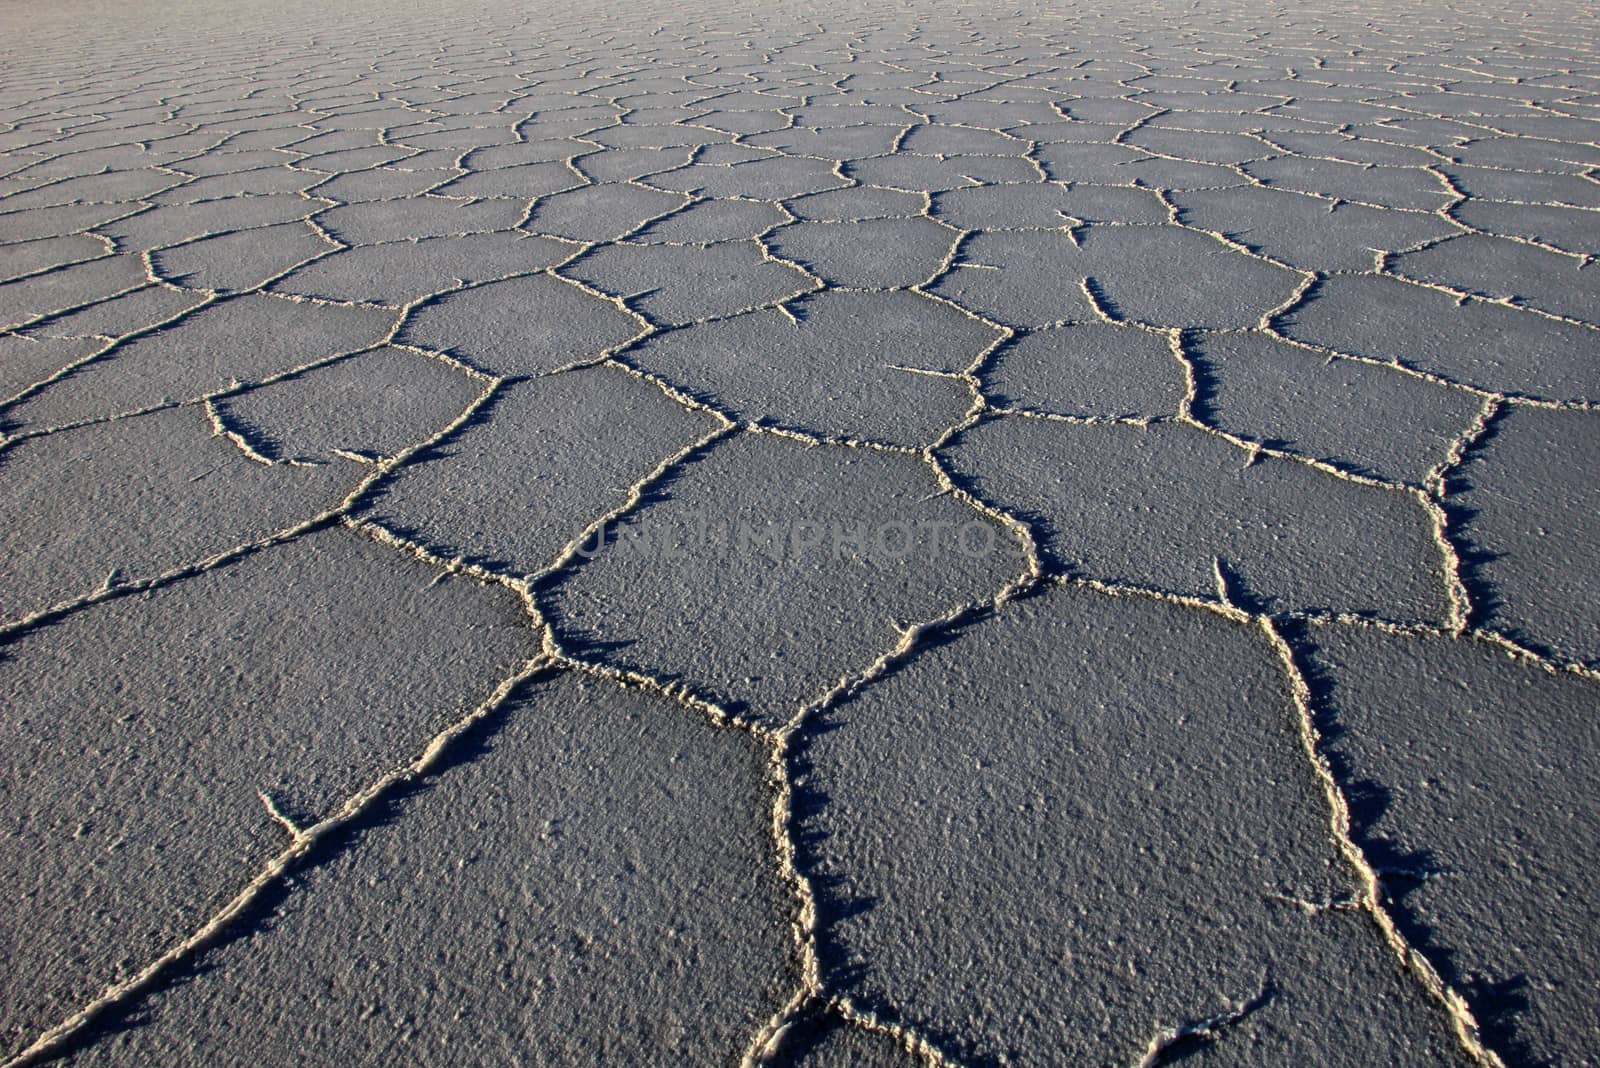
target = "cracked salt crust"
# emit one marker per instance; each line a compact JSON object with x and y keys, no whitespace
{"x":1266,"y":346}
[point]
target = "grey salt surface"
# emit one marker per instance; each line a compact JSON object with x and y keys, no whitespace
{"x":777,"y":587}
{"x":1497,"y":886}
{"x":591,"y":887}
{"x":1530,"y":503}
{"x":864,"y":535}
{"x":1138,"y":810}
{"x":551,"y":437}
{"x":139,"y":735}
{"x":1159,"y":506}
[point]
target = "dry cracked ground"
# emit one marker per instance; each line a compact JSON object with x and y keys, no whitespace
{"x":813,"y":536}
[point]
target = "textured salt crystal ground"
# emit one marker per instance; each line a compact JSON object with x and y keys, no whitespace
{"x":372,"y":691}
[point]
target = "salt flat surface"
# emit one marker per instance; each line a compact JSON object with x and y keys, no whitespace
{"x":810,"y":535}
